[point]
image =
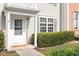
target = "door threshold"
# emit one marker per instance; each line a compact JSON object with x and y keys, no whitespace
{"x":19,"y":45}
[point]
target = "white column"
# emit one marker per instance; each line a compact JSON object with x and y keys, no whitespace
{"x":7,"y":29}
{"x":35,"y":36}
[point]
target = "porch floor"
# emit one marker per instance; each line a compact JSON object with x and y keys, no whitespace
{"x":15,"y":48}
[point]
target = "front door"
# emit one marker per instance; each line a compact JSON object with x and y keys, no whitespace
{"x":19,"y":32}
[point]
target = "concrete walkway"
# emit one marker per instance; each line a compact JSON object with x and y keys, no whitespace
{"x":29,"y":52}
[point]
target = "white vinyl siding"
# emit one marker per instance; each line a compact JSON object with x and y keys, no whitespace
{"x":47,"y":24}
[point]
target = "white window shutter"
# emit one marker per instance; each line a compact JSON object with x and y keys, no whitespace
{"x":38,"y":25}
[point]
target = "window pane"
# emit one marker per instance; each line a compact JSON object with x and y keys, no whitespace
{"x":42,"y":24}
{"x":42,"y":29}
{"x":50,"y":20}
{"x":50,"y":24}
{"x":50,"y":29}
{"x":42,"y":19}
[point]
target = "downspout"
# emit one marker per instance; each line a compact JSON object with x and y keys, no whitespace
{"x":60,"y":17}
{"x":1,"y":10}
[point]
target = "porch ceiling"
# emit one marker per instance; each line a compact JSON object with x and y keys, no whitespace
{"x":22,"y":10}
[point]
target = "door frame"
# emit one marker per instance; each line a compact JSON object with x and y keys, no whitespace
{"x":24,"y":29}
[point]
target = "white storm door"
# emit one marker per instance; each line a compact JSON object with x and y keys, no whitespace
{"x":19,"y":31}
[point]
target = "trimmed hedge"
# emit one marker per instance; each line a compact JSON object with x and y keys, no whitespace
{"x":53,"y":38}
{"x":1,"y":40}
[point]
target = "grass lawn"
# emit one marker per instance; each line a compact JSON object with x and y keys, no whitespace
{"x":67,"y":49}
{"x":12,"y":53}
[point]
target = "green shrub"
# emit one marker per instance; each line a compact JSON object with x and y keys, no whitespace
{"x":1,"y":40}
{"x":53,"y":38}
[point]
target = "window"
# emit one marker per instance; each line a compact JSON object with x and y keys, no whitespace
{"x":76,"y":20}
{"x":53,"y":4}
{"x":18,"y":27}
{"x":42,"y":19}
{"x":46,"y":24}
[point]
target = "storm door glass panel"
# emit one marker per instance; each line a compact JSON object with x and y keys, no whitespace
{"x":18,"y":26}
